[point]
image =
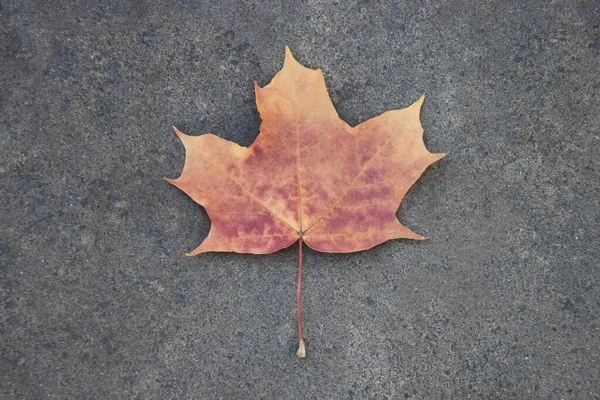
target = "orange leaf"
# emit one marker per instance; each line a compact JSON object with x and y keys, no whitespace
{"x":308,"y":177}
{"x":308,"y":174}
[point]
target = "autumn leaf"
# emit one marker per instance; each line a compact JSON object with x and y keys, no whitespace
{"x":308,"y":176}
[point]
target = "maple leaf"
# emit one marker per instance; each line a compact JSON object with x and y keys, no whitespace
{"x":308,"y":176}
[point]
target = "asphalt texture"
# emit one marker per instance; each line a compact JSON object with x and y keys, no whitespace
{"x":99,"y":301}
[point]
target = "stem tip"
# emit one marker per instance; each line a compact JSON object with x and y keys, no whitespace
{"x":301,"y":353}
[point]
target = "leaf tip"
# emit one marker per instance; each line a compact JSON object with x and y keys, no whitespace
{"x":301,"y":353}
{"x":171,"y":181}
{"x":178,"y":132}
{"x":289,"y":57}
{"x":420,"y":101}
{"x":437,"y":156}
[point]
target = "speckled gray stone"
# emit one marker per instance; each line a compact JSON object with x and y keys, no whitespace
{"x":98,"y":300}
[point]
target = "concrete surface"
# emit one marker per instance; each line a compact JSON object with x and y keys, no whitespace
{"x":98,"y":300}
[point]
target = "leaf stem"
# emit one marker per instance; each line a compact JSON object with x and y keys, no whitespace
{"x":301,"y":347}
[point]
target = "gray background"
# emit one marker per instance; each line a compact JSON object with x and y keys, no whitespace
{"x":99,"y":301}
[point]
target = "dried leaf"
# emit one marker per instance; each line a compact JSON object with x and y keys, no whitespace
{"x":309,"y":176}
